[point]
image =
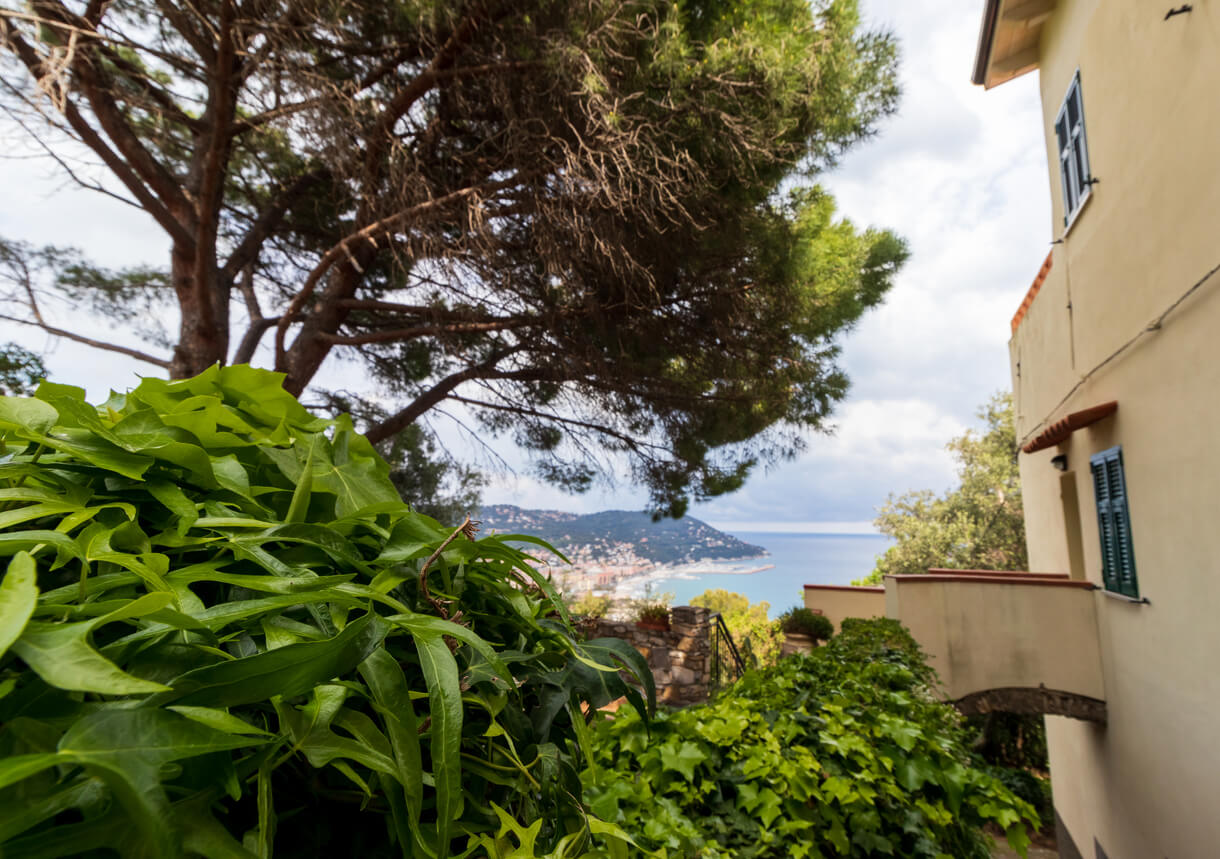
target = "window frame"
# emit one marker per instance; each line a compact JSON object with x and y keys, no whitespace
{"x":1114,"y":523}
{"x":1072,"y":147}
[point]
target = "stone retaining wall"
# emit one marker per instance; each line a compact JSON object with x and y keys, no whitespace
{"x":680,"y":657}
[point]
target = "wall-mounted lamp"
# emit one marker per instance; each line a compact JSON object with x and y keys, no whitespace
{"x":1060,"y":462}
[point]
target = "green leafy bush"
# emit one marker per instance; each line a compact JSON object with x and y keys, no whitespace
{"x":758,"y":638}
{"x":803,"y":621}
{"x":653,"y":612}
{"x":591,"y":606}
{"x":223,"y":634}
{"x":843,"y":752}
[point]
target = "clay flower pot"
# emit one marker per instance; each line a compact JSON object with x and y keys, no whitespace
{"x":654,"y":625}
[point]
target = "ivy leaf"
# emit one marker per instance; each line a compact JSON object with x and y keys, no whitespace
{"x":682,"y":757}
{"x":912,"y":773}
{"x":1018,"y":838}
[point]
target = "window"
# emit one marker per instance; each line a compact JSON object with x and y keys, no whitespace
{"x":1114,"y":523}
{"x":1073,"y":152}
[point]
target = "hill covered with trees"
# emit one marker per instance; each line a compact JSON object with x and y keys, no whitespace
{"x":668,"y":541}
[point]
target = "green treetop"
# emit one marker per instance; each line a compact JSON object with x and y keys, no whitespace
{"x":594,"y":226}
{"x":978,"y":525}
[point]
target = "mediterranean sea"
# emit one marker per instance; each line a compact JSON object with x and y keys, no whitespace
{"x":797,"y":560}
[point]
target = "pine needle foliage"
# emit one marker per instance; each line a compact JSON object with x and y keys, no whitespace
{"x":593,"y":225}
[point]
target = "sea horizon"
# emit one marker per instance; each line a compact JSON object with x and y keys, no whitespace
{"x":793,"y":560}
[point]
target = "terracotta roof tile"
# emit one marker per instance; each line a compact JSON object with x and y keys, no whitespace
{"x":1033,"y":291}
{"x":1059,"y":431}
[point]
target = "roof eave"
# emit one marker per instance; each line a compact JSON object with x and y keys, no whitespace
{"x":982,"y":56}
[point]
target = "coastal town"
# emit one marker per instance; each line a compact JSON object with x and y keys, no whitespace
{"x":621,"y":554}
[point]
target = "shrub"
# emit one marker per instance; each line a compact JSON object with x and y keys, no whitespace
{"x":590,"y":606}
{"x":843,"y":752}
{"x":652,"y":612}
{"x":757,"y":637}
{"x":803,"y":621}
{"x":223,"y":634}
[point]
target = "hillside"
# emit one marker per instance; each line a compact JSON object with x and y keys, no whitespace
{"x":602,"y":536}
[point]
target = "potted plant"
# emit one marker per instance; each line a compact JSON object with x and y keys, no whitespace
{"x":803,"y":628}
{"x":652,"y":615}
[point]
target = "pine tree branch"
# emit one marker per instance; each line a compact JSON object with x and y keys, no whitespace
{"x":403,"y":418}
{"x":89,"y":341}
{"x":266,"y":223}
{"x":122,"y":170}
{"x":93,"y":83}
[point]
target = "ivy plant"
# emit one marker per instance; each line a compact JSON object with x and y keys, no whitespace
{"x":843,"y":752}
{"x":223,"y":634}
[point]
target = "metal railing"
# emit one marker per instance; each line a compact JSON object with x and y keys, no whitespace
{"x":727,"y":664}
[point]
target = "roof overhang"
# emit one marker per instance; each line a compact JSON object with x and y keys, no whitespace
{"x":1008,"y":39}
{"x":1060,"y":430}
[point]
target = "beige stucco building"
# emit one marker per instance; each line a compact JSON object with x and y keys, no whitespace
{"x":1116,"y":375}
{"x":1115,"y":356}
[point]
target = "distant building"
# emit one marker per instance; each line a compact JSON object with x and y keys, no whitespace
{"x":1115,"y":356}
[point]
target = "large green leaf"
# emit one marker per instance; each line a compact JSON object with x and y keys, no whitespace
{"x":87,"y":447}
{"x":62,"y":655}
{"x":127,"y":748}
{"x":392,"y":698}
{"x":310,"y":731}
{"x":18,"y":817}
{"x":607,"y":651}
{"x":18,"y":596}
{"x":30,"y":541}
{"x":33,"y":416}
{"x":445,"y":710}
{"x":287,"y":671}
{"x":176,"y":502}
{"x":352,"y":471}
{"x":427,"y":625}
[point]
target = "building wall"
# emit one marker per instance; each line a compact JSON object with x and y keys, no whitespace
{"x":839,"y":601}
{"x":982,"y":634}
{"x":1144,"y":784}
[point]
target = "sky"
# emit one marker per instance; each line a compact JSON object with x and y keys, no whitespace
{"x":960,"y":173}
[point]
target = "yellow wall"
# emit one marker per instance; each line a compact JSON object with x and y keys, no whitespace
{"x":983,"y":634}
{"x":838,"y":602}
{"x":1145,"y":784}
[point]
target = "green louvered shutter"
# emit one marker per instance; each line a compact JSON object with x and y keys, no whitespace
{"x":1114,"y":523}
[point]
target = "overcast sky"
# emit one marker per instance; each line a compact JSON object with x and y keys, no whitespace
{"x":960,"y":173}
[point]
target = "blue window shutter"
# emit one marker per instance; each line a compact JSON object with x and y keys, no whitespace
{"x":1114,"y":523}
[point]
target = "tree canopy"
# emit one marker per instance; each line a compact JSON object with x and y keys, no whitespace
{"x":756,"y":635}
{"x":978,"y":525}
{"x":593,"y":225}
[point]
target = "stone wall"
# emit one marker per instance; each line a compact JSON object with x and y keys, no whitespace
{"x":680,"y":657}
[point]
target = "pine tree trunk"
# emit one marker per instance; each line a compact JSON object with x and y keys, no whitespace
{"x":203,"y":331}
